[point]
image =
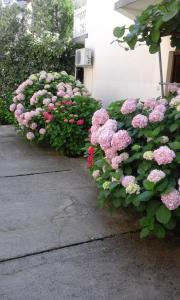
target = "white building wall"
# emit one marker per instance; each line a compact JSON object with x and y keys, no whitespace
{"x":116,"y":73}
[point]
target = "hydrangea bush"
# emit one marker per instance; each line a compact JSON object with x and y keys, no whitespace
{"x":56,"y":109}
{"x":134,"y":158}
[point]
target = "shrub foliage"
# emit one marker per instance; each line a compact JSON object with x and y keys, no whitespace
{"x":54,"y":108}
{"x":135,"y":156}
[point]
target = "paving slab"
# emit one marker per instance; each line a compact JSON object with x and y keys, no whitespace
{"x":114,"y":269}
{"x":43,"y":211}
{"x":18,"y":156}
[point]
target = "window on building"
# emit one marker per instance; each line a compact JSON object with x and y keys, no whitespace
{"x":175,"y":74}
{"x":80,"y":74}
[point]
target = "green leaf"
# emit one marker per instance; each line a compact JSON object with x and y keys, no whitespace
{"x":119,"y":31}
{"x":148,"y":185}
{"x":163,"y":214}
{"x":168,"y":16}
{"x":145,"y":196}
{"x":131,"y":40}
{"x":155,"y":35}
{"x":144,"y":233}
{"x":159,"y":231}
{"x":162,"y":186}
{"x":171,"y":224}
{"x":152,"y":207}
{"x":175,"y":145}
{"x":154,"y":48}
{"x":117,"y":202}
{"x":174,"y":126}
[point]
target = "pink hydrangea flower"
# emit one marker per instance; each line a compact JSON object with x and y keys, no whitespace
{"x":33,"y":126}
{"x":129,"y":106}
{"x":172,"y":87}
{"x":127,"y":180}
{"x":54,"y":99}
{"x":60,"y":93}
{"x":17,"y":112}
{"x":20,"y":107}
{"x":94,"y":137}
{"x":111,"y":124}
{"x":20,"y":97}
{"x":105,"y":138}
{"x":94,"y":128}
{"x":150,"y":103}
{"x":161,"y":108}
{"x":162,"y":101}
{"x":139,"y":121}
{"x":33,"y":100}
{"x":110,"y":153}
{"x":48,"y":116}
{"x":156,"y":116}
{"x":42,"y":131}
{"x":117,"y":160}
{"x":12,"y":107}
{"x":164,"y":155}
{"x":46,"y":101}
{"x":100,"y":117}
{"x":30,"y":136}
{"x":96,"y":174}
{"x":155,"y":176}
{"x":121,"y":140}
{"x":171,"y":200}
{"x":51,"y":106}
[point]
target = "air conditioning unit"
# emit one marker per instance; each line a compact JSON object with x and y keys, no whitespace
{"x":83,"y":57}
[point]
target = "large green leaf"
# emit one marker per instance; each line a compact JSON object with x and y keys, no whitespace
{"x":145,"y":196}
{"x":119,"y":31}
{"x":159,"y":231}
{"x":163,"y":214}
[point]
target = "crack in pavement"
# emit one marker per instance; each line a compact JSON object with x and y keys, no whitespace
{"x":35,"y":173}
{"x":68,"y":246}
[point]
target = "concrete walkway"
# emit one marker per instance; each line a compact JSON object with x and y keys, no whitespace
{"x":56,"y":244}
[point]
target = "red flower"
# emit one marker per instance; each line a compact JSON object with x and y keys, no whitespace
{"x":80,"y":122}
{"x":71,"y":121}
{"x":91,"y":150}
{"x":48,"y":116}
{"x":90,"y":161}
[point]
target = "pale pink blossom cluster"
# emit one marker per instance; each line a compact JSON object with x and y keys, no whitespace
{"x":173,"y":87}
{"x":102,"y":135}
{"x":129,"y":106}
{"x":104,"y":132}
{"x":30,"y":136}
{"x":34,"y":99}
{"x":110,"y":153}
{"x":66,"y":90}
{"x":100,"y":117}
{"x":121,"y":140}
{"x":139,"y":121}
{"x":127,"y":180}
{"x":150,"y":103}
{"x":96,"y":174}
{"x":156,"y":175}
{"x":156,"y":116}
{"x":164,"y":155}
{"x":23,"y":86}
{"x":117,"y":160}
{"x":171,"y":200}
{"x":42,"y":131}
{"x":104,"y":138}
